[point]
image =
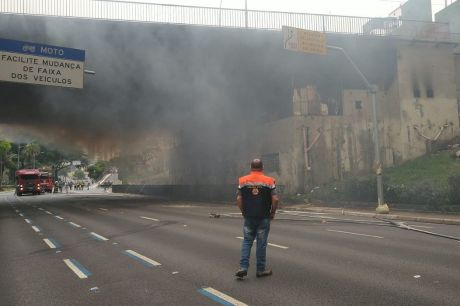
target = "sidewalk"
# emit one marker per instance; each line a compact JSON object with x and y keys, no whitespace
{"x":393,"y":215}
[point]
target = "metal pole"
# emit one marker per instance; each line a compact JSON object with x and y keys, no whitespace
{"x":380,"y":200}
{"x":246,"y":12}
{"x":220,"y":14}
{"x":381,"y":206}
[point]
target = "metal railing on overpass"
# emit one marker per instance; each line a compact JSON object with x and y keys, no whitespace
{"x":224,"y":17}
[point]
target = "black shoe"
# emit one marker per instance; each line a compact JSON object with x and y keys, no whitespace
{"x":241,"y":273}
{"x":266,"y":272}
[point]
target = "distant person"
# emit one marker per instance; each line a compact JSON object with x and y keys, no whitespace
{"x":87,"y":185}
{"x":257,"y":201}
{"x":67,"y":188}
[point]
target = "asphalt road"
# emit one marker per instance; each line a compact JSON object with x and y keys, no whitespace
{"x":107,"y":249}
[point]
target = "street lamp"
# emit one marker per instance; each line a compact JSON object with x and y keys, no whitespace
{"x":381,"y":206}
{"x":315,"y":42}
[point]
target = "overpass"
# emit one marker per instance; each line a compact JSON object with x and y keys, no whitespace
{"x":134,"y":11}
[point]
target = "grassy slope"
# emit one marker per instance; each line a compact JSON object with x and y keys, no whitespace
{"x":433,"y":169}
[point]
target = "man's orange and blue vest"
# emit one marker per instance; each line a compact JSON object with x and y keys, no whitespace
{"x":256,"y":190}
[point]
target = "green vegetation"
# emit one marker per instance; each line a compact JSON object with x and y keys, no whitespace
{"x":429,"y":182}
{"x":79,"y":174}
{"x":5,"y":159}
{"x":31,"y":151}
{"x":434,"y":169}
{"x":97,"y":170}
{"x":15,"y":156}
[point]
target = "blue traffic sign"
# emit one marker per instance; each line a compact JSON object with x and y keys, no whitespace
{"x":30,"y":48}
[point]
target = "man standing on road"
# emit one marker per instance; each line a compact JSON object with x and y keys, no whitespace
{"x":258,"y":201}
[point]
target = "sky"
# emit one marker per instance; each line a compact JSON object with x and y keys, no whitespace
{"x":363,"y":8}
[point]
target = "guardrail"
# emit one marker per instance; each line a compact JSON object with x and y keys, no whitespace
{"x":223,"y":17}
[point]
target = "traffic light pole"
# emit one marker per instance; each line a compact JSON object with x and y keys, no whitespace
{"x":382,"y":208}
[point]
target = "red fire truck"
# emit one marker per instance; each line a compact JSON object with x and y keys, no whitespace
{"x":28,"y":181}
{"x":46,"y":182}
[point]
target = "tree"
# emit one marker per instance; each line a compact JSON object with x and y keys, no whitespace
{"x":5,"y":147}
{"x":95,"y":171}
{"x":79,"y":174}
{"x":57,"y":160}
{"x":32,"y":150}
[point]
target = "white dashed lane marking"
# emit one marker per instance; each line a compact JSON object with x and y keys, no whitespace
{"x":74,"y":224}
{"x":147,"y":218}
{"x":142,"y":259}
{"x":270,"y":244}
{"x":28,"y":221}
{"x":98,"y":237}
{"x":220,"y":297}
{"x":53,"y":244}
{"x":49,"y":213}
{"x":103,"y":209}
{"x":356,"y":234}
{"x":36,"y":229}
{"x":77,"y":268}
{"x":59,"y":217}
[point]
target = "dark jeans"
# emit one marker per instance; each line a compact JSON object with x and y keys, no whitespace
{"x":255,"y":227}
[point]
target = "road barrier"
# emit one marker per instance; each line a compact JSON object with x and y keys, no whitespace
{"x":222,"y":192}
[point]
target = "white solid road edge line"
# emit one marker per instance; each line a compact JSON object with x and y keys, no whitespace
{"x":270,"y":244}
{"x":150,"y":261}
{"x":49,"y":243}
{"x":299,"y":213}
{"x":421,"y":226}
{"x":35,"y":228}
{"x":75,"y":269}
{"x":357,"y":234}
{"x":98,"y":236}
{"x":153,"y":219}
{"x":224,"y":297}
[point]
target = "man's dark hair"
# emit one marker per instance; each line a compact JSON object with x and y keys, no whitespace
{"x":257,"y":164}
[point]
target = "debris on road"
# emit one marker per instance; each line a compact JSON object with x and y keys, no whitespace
{"x":94,"y":290}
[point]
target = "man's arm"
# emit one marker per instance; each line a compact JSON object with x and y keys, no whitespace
{"x":239,"y":202}
{"x":275,"y":201}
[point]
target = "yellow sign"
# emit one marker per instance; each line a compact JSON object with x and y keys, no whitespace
{"x":304,"y":40}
